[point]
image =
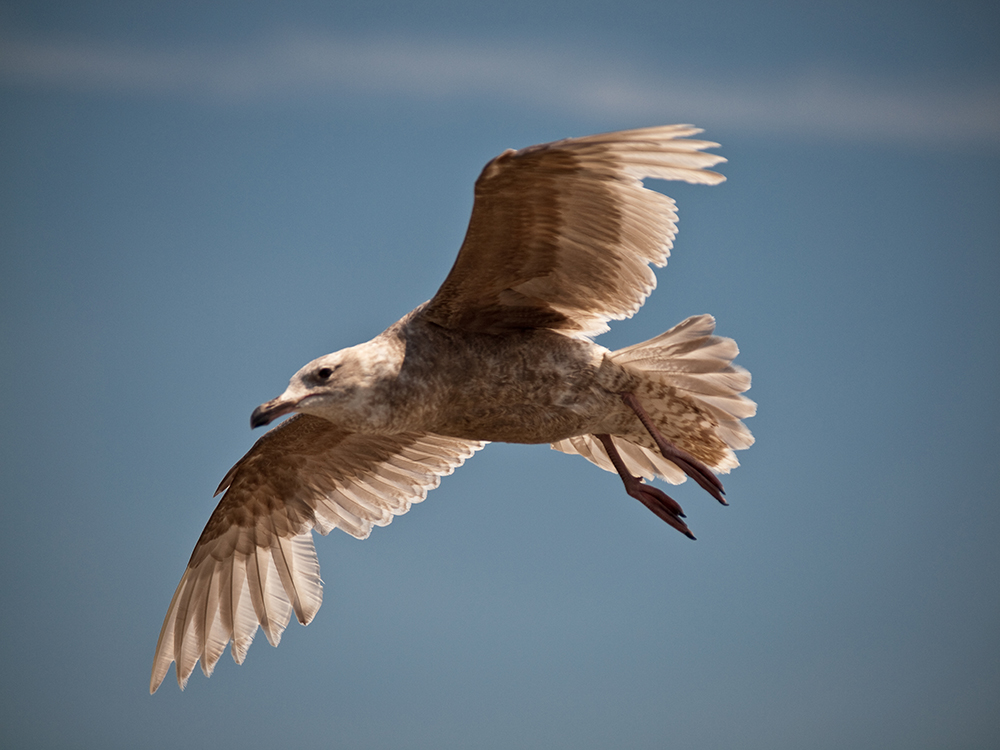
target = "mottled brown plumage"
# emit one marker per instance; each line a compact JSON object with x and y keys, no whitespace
{"x":560,"y":242}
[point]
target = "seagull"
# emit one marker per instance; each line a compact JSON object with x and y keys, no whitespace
{"x":560,"y":242}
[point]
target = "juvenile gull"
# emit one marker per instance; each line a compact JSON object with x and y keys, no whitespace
{"x":560,"y":242}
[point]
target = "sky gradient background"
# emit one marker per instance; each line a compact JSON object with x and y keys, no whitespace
{"x":195,"y":201}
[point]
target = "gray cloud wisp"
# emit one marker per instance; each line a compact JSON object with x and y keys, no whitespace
{"x":291,"y":65}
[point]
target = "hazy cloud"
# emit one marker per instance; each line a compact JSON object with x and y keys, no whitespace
{"x":293,"y":65}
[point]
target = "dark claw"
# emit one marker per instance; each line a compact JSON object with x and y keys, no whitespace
{"x":684,"y":460}
{"x":658,"y":501}
{"x":661,"y":504}
{"x":699,"y":473}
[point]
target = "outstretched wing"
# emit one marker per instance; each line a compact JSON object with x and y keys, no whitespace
{"x":562,"y":234}
{"x":255,"y":562}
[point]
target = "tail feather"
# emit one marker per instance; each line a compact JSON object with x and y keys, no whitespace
{"x":693,"y":392}
{"x":641,"y":461}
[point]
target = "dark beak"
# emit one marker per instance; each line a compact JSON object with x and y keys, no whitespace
{"x":267,"y":413}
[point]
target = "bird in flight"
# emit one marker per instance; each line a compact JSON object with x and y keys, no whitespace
{"x":559,"y":242}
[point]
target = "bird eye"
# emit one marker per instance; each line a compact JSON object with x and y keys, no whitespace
{"x":324,"y":373}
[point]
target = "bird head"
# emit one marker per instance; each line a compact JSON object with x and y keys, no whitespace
{"x":337,"y":387}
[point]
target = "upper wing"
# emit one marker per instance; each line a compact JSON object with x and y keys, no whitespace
{"x":255,"y":562}
{"x":561,"y":234}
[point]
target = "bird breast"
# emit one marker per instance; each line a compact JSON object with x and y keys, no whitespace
{"x":533,"y":386}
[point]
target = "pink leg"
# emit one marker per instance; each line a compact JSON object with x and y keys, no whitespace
{"x":684,"y":460}
{"x":656,"y":500}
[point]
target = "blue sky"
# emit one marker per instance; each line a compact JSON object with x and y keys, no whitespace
{"x":195,"y":201}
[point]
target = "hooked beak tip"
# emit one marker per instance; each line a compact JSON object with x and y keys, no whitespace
{"x":267,"y":413}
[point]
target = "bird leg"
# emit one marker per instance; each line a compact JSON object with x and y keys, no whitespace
{"x":684,"y":460}
{"x":655,"y":499}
